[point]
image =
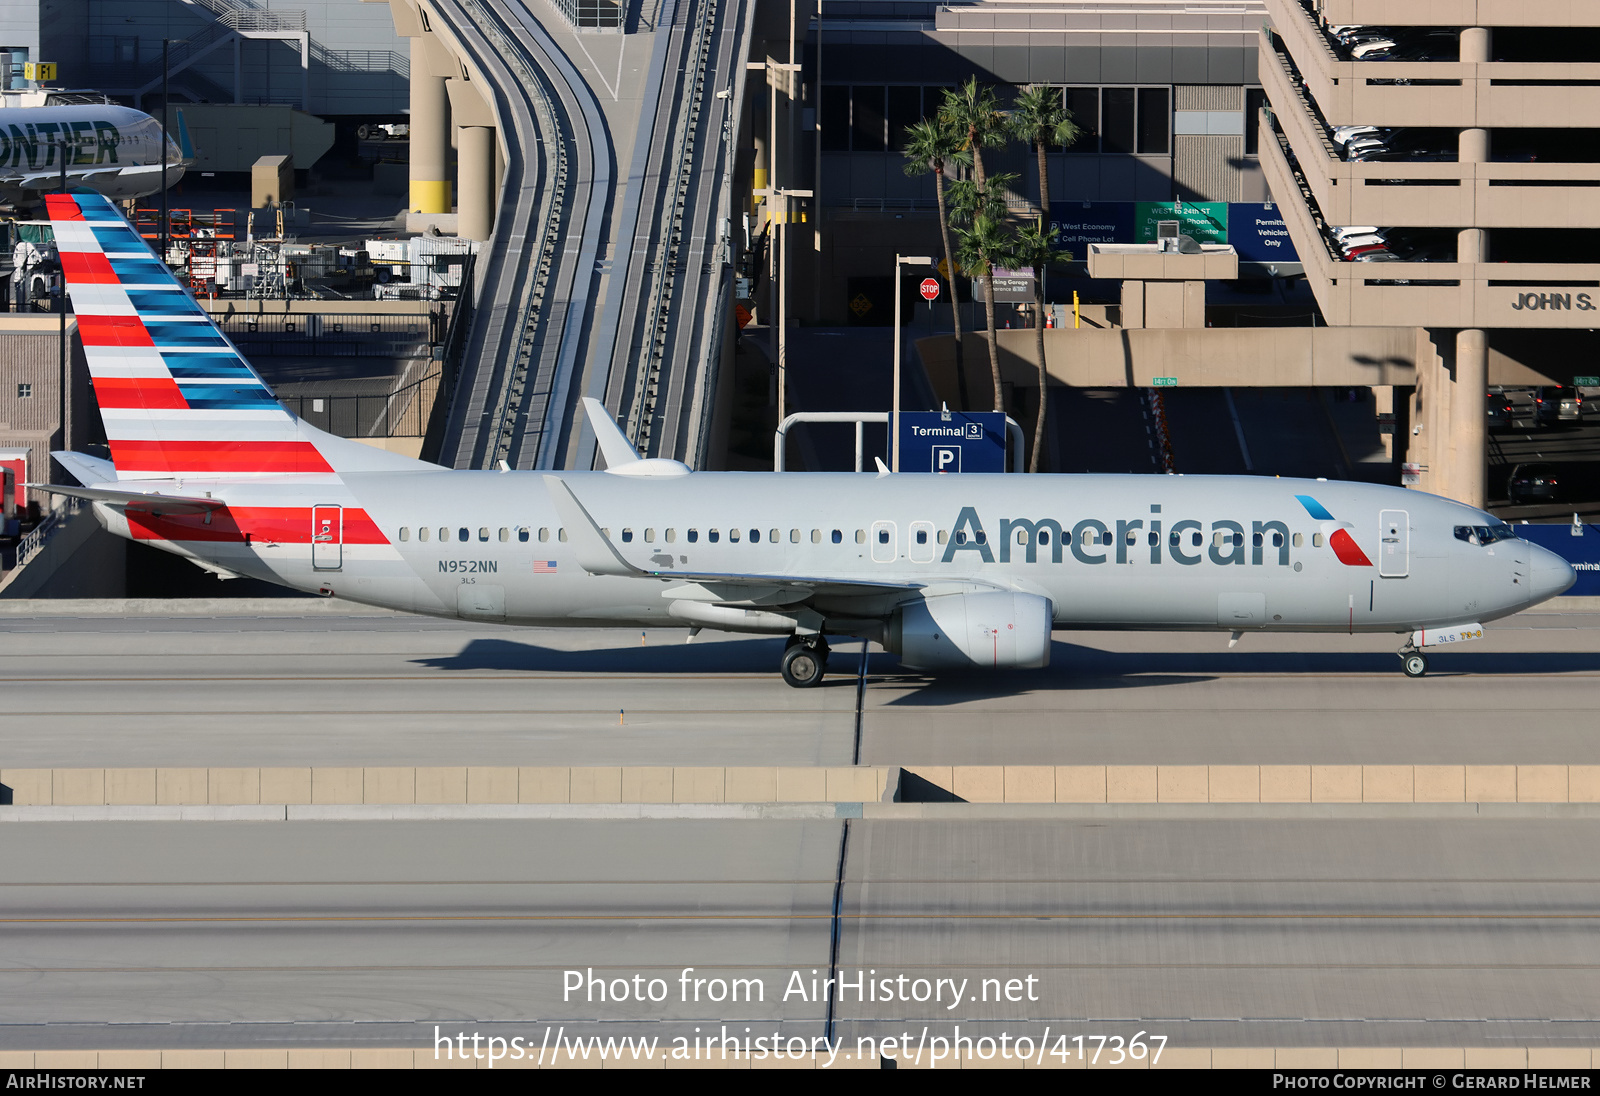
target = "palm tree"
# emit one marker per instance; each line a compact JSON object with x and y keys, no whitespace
{"x":973,"y":112}
{"x":1034,"y":246}
{"x":1041,"y":119}
{"x":931,"y":146}
{"x":985,"y":243}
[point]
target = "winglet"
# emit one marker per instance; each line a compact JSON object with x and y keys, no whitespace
{"x":614,"y":445}
{"x":883,"y":469}
{"x":595,"y":553}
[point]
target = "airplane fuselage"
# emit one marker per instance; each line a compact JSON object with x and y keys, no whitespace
{"x":1158,"y":552}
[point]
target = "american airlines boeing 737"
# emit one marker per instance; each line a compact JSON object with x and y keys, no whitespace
{"x":961,"y":571}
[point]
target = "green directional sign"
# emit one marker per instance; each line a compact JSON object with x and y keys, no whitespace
{"x":1164,"y":382}
{"x":1587,"y":382}
{"x":1207,"y":222}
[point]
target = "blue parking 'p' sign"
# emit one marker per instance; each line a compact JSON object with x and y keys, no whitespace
{"x":952,"y":441}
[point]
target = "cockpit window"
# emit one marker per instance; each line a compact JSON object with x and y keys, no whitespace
{"x":1485,"y":534}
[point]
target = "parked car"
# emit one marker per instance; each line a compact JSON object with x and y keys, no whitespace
{"x":1534,"y":483}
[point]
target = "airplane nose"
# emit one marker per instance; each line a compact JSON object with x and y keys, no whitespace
{"x":1551,"y":575}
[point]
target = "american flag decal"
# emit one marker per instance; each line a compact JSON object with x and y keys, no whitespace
{"x":544,"y":566}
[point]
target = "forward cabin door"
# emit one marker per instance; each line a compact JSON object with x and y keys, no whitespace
{"x":1394,"y":544}
{"x":327,"y":538}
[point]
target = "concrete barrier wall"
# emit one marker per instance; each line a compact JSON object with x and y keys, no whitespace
{"x":440,"y":785}
{"x":1173,"y":1057}
{"x":718,"y":784}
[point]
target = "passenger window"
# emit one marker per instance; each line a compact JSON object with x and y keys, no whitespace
{"x":693,"y":535}
{"x":755,"y":536}
{"x":1044,"y":536}
{"x":1316,"y":540}
{"x":1155,"y":539}
{"x":883,"y":536}
{"x":1238,"y":540}
{"x":627,"y":536}
{"x":561,"y":535}
{"x":422,"y":533}
{"x":861,"y":537}
{"x":733,"y":536}
{"x":944,"y":536}
{"x":522,"y":535}
{"x":672,"y":536}
{"x":649,"y":536}
{"x":1173,"y":539}
{"x":444,"y":534}
{"x":838,"y":537}
{"x":463,"y":534}
{"x":1216,"y":540}
{"x":711,"y":535}
{"x":405,"y":534}
{"x":983,"y":537}
{"x":1022,"y":536}
{"x":1299,"y":540}
{"x":772,"y":535}
{"x":1255,"y":540}
{"x":1277,"y":540}
{"x":483,"y":532}
{"x":544,"y":535}
{"x":505,"y":535}
{"x":922,"y":536}
{"x":1133,"y":538}
{"x":794,"y":536}
{"x":816,"y":536}
{"x":961,"y":537}
{"x":606,"y":533}
{"x":1107,"y":538}
{"x":1197,"y":539}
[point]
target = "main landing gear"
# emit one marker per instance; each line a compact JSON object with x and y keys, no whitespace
{"x":1413,"y":662}
{"x":805,"y":660}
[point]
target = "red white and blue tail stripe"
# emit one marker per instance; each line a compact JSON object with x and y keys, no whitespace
{"x":176,"y":397}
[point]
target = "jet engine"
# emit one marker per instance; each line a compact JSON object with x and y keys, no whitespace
{"x":967,"y":631}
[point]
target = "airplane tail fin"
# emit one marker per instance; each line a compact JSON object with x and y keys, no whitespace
{"x":176,"y":396}
{"x":185,"y":146}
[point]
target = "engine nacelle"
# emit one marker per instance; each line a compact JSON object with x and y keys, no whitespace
{"x":996,"y":630}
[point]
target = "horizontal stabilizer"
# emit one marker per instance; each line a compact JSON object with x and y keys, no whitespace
{"x":87,"y":470}
{"x":139,"y":500}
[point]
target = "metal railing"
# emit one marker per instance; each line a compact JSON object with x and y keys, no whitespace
{"x":606,"y":14}
{"x":400,"y":414}
{"x":34,"y":541}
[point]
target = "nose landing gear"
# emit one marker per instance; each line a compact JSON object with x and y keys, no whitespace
{"x":1414,"y":663}
{"x":805,"y":661}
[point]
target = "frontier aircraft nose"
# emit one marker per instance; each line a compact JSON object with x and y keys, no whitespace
{"x":1550,"y":574}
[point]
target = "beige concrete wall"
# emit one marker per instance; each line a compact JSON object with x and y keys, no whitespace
{"x":442,"y":784}
{"x":1461,"y":13}
{"x":771,"y":784}
{"x":1171,"y":1057}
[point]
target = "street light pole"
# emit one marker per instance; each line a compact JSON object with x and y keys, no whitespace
{"x":778,"y":203}
{"x":165,"y":215}
{"x":894,"y":418}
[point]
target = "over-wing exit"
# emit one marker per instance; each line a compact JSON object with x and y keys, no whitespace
{"x":945,"y":571}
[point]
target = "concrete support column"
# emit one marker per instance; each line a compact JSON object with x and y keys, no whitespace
{"x":1383,"y":404}
{"x":1476,"y":44}
{"x":475,"y":166}
{"x":1469,"y":428}
{"x":430,"y":142}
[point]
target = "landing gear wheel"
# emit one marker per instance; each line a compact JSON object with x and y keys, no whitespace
{"x":804,"y":665}
{"x":363,"y":132}
{"x":1414,"y":663}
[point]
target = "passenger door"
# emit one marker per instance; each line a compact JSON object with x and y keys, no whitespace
{"x":1394,"y":544}
{"x":327,"y":538}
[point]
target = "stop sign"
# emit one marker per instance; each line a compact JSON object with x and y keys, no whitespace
{"x":930,"y":289}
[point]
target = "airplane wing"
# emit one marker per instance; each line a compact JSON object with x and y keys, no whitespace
{"x":598,"y":556}
{"x":139,"y":500}
{"x":78,"y":177}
